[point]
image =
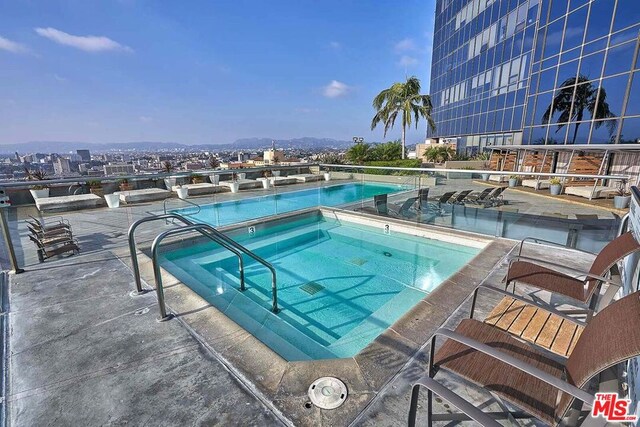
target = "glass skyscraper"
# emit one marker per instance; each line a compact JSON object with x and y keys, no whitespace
{"x":536,"y":71}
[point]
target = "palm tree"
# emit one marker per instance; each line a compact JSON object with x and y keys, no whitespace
{"x":587,"y":97}
{"x":214,"y":163}
{"x":405,"y":99}
{"x":358,"y":153}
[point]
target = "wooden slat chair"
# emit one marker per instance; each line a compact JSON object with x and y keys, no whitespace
{"x":540,"y":386}
{"x":584,"y":287}
{"x":51,"y":250}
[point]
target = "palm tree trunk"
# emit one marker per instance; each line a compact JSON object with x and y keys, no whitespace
{"x":575,"y":133}
{"x":404,"y":131}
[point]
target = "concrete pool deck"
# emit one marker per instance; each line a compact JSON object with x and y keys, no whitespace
{"x":82,"y":351}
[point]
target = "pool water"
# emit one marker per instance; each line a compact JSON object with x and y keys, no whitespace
{"x":231,"y":212}
{"x":339,"y":284}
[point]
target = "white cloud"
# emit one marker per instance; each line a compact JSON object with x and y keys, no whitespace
{"x":11,"y":46}
{"x":335,"y":89}
{"x":335,"y":45}
{"x":86,"y":43}
{"x":145,"y":119}
{"x":405,"y":45}
{"x":407,"y":61}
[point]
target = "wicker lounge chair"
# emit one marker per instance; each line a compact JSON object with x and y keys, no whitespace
{"x":585,"y":286}
{"x":542,"y":386}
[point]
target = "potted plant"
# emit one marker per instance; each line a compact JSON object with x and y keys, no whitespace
{"x":513,"y":181}
{"x":113,"y":200}
{"x":95,"y":187}
{"x":167,"y":167}
{"x":486,"y":166}
{"x":555,"y":186}
{"x":623,"y":198}
{"x":38,"y":191}
{"x":196,"y":179}
{"x":183,"y":192}
{"x":235,"y":185}
{"x":124,"y":185}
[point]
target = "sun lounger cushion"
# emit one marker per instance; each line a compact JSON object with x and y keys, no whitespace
{"x":498,"y":178}
{"x":534,"y":183}
{"x":305,"y":177}
{"x":599,"y":192}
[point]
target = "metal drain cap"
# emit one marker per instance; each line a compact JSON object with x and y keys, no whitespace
{"x":327,"y":393}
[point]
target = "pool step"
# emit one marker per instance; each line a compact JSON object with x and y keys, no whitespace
{"x":361,"y":335}
{"x":251,"y":315}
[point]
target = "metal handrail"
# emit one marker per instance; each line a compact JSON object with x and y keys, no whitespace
{"x":164,"y":205}
{"x":471,"y":171}
{"x":142,"y":176}
{"x":134,"y":254}
{"x":155,"y":247}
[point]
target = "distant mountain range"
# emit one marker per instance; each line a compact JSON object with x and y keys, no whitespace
{"x":240,"y":144}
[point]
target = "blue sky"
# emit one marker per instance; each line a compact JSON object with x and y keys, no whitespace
{"x":204,"y":71}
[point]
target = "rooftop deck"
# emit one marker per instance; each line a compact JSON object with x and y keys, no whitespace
{"x":83,"y":351}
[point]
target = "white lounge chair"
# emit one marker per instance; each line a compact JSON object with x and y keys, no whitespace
{"x":536,"y":184}
{"x":589,"y":192}
{"x":306,"y":177}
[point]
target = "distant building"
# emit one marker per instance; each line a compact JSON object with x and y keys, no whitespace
{"x":119,"y":169}
{"x":85,"y":155}
{"x":62,"y":166}
{"x":192,"y":166}
{"x":243,"y":157}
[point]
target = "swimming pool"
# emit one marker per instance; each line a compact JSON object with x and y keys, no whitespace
{"x":340,"y":284}
{"x":231,"y":212}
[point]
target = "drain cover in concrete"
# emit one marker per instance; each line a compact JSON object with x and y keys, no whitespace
{"x":312,"y":288}
{"x":328,"y":393}
{"x":358,"y":261}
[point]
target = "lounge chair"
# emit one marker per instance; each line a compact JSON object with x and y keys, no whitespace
{"x":439,"y":201}
{"x":58,"y":223}
{"x":459,"y":198}
{"x":538,"y":384}
{"x":478,"y":197}
{"x":493,"y":198}
{"x":39,"y":234}
{"x":589,"y":192}
{"x":584,"y":287}
{"x":51,"y":250}
{"x":536,"y":184}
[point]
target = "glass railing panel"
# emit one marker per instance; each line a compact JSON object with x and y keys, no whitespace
{"x":470,"y":201}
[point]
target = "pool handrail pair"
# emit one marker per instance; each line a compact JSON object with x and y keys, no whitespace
{"x":207,"y":231}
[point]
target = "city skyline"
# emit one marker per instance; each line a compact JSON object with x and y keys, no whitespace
{"x":211,"y":73}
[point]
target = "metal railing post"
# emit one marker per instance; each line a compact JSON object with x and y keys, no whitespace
{"x":155,"y":246}
{"x":134,"y":254}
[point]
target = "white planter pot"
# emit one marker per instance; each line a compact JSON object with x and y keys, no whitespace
{"x":169,"y":183}
{"x":266,"y":183}
{"x":40,"y":194}
{"x":513,"y":182}
{"x":485,"y":176}
{"x":276,"y":173}
{"x":555,"y":189}
{"x":235,"y":186}
{"x":113,"y":200}
{"x":215,"y":179}
{"x":327,"y":176}
{"x":242,"y":176}
{"x":183,"y":193}
{"x":621,"y":202}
